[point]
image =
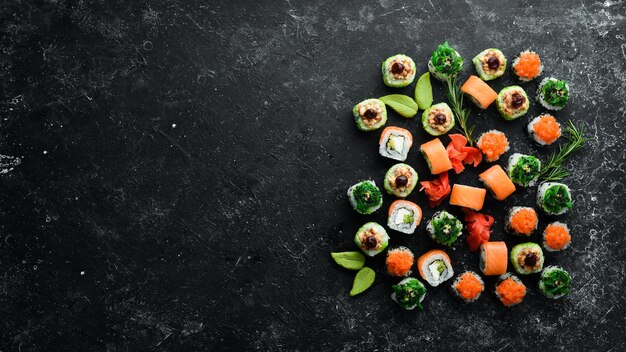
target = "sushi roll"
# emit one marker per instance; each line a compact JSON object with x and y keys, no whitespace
{"x":365,"y":197}
{"x":434,"y":267}
{"x":404,"y":216}
{"x":436,"y":156}
{"x":490,"y":64}
{"x":400,"y":180}
{"x":493,"y":259}
{"x":468,"y":286}
{"x":556,"y":237}
{"x":409,"y":293}
{"x":438,"y":119}
{"x":399,"y":261}
{"x":553,"y":93}
{"x":468,"y":197}
{"x":444,"y":228}
{"x":527,"y":258}
{"x":555,"y":282}
{"x":445,"y":62}
{"x":523,"y":169}
{"x":370,"y":114}
{"x":527,"y":66}
{"x":554,"y":198}
{"x":497,"y":182}
{"x":371,"y":238}
{"x":512,"y":102}
{"x":398,"y":71}
{"x":510,"y":290}
{"x":544,"y":129}
{"x":395,"y":143}
{"x":479,"y":92}
{"x":521,"y":221}
{"x":493,"y":144}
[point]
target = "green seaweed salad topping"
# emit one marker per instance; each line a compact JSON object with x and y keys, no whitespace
{"x":556,"y":282}
{"x":409,"y":294}
{"x":555,"y":92}
{"x":446,"y":60}
{"x":446,"y":229}
{"x":556,"y":198}
{"x":367,"y":195}
{"x":525,"y":170}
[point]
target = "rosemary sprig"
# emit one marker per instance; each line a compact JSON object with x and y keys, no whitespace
{"x":455,"y":97}
{"x":553,"y":170}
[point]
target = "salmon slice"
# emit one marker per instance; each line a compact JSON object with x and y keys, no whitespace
{"x":426,"y":256}
{"x":494,"y":258}
{"x":397,"y":130}
{"x":468,"y":197}
{"x":480,"y":91}
{"x":498,"y":182}
{"x":436,"y":156}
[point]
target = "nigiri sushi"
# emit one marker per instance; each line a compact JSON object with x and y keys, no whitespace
{"x":468,"y":197}
{"x":498,"y":182}
{"x":479,"y":92}
{"x":493,"y":258}
{"x":436,"y":156}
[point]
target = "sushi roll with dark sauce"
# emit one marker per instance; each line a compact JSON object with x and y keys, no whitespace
{"x":371,"y":238}
{"x":490,"y":64}
{"x":398,"y":71}
{"x":512,"y":102}
{"x":370,"y":114}
{"x":438,"y":119}
{"x":527,"y":258}
{"x":400,"y":180}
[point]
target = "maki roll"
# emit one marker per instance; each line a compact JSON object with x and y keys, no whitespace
{"x":399,"y":261}
{"x":371,"y":238}
{"x":400,"y":180}
{"x":497,"y":182}
{"x":544,"y":129}
{"x":468,"y":197}
{"x":365,"y":197}
{"x":409,"y":293}
{"x":434,"y":267}
{"x":395,"y":143}
{"x":398,"y":71}
{"x":479,"y":92}
{"x":521,"y":221}
{"x":527,"y":66}
{"x":444,"y":228}
{"x":553,"y":93}
{"x":556,"y":237}
{"x":554,"y":198}
{"x":512,"y":102}
{"x":490,"y":64}
{"x":524,"y":169}
{"x":510,"y":290}
{"x":445,"y":62}
{"x":370,"y":114}
{"x":438,"y":119}
{"x":468,"y":286}
{"x":404,"y":216}
{"x":555,"y":282}
{"x":436,"y":156}
{"x":493,"y":144}
{"x":527,"y":258}
{"x":493,"y":259}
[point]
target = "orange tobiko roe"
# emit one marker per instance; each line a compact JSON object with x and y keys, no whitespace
{"x":547,"y":129}
{"x":511,"y":292}
{"x":524,"y":221}
{"x":469,"y":287}
{"x":557,"y":236}
{"x":528,"y":66}
{"x":399,"y":262}
{"x":493,"y":144}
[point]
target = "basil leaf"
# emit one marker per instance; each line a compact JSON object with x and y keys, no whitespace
{"x":424,"y":92}
{"x":362,"y":281}
{"x":349,"y":260}
{"x":402,"y":104}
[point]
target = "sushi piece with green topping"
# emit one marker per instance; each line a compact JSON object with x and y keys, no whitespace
{"x":370,"y":114}
{"x":555,"y":282}
{"x":398,"y":71}
{"x":445,"y":62}
{"x":444,"y":228}
{"x":371,"y":239}
{"x":365,"y":197}
{"x":512,"y":102}
{"x":527,"y":258}
{"x":554,"y":198}
{"x":438,"y":119}
{"x":400,"y":180}
{"x":409,"y":293}
{"x":524,"y":169}
{"x":490,"y":64}
{"x":553,"y":93}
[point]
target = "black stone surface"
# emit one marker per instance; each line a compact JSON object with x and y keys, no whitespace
{"x":174,"y":173}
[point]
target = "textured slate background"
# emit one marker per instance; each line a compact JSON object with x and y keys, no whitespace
{"x":173,"y":174}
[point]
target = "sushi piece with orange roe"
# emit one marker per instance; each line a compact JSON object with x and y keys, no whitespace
{"x":544,"y":129}
{"x":521,"y":221}
{"x":527,"y":66}
{"x":468,"y":286}
{"x":493,"y":144}
{"x":556,"y":237}
{"x":399,"y":261}
{"x":510,"y":290}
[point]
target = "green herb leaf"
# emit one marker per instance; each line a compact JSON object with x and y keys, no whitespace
{"x":455,"y":97}
{"x":362,"y":281}
{"x":402,"y":104}
{"x":424,"y":92}
{"x":349,"y":260}
{"x":553,"y":169}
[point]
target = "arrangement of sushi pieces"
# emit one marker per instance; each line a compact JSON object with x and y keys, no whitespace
{"x":555,"y":282}
{"x":398,"y":71}
{"x":444,"y":228}
{"x":468,"y":197}
{"x":554,"y":198}
{"x":493,"y":259}
{"x":404,"y":216}
{"x":409,"y":293}
{"x":436,"y":156}
{"x":490,"y":64}
{"x":553,"y":93}
{"x":527,"y":258}
{"x":523,"y":169}
{"x":400,"y":180}
{"x":493,"y":144}
{"x":479,"y":92}
{"x":510,"y":290}
{"x":527,"y":66}
{"x":438,"y":119}
{"x":365,"y":197}
{"x":497,"y":182}
{"x":445,"y":62}
{"x":395,"y":143}
{"x":370,"y":114}
{"x":371,"y":239}
{"x":521,"y":221}
{"x":434,"y":267}
{"x":544,"y":129}
{"x":468,"y":286}
{"x":399,"y":261}
{"x":512,"y":102}
{"x":556,"y":237}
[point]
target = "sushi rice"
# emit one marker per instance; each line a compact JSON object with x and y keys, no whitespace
{"x":434,"y":266}
{"x":444,"y":228}
{"x":525,"y":223}
{"x":544,"y":129}
{"x":525,"y":57}
{"x":468,"y":286}
{"x":556,"y":237}
{"x":399,"y":261}
{"x":510,"y":290}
